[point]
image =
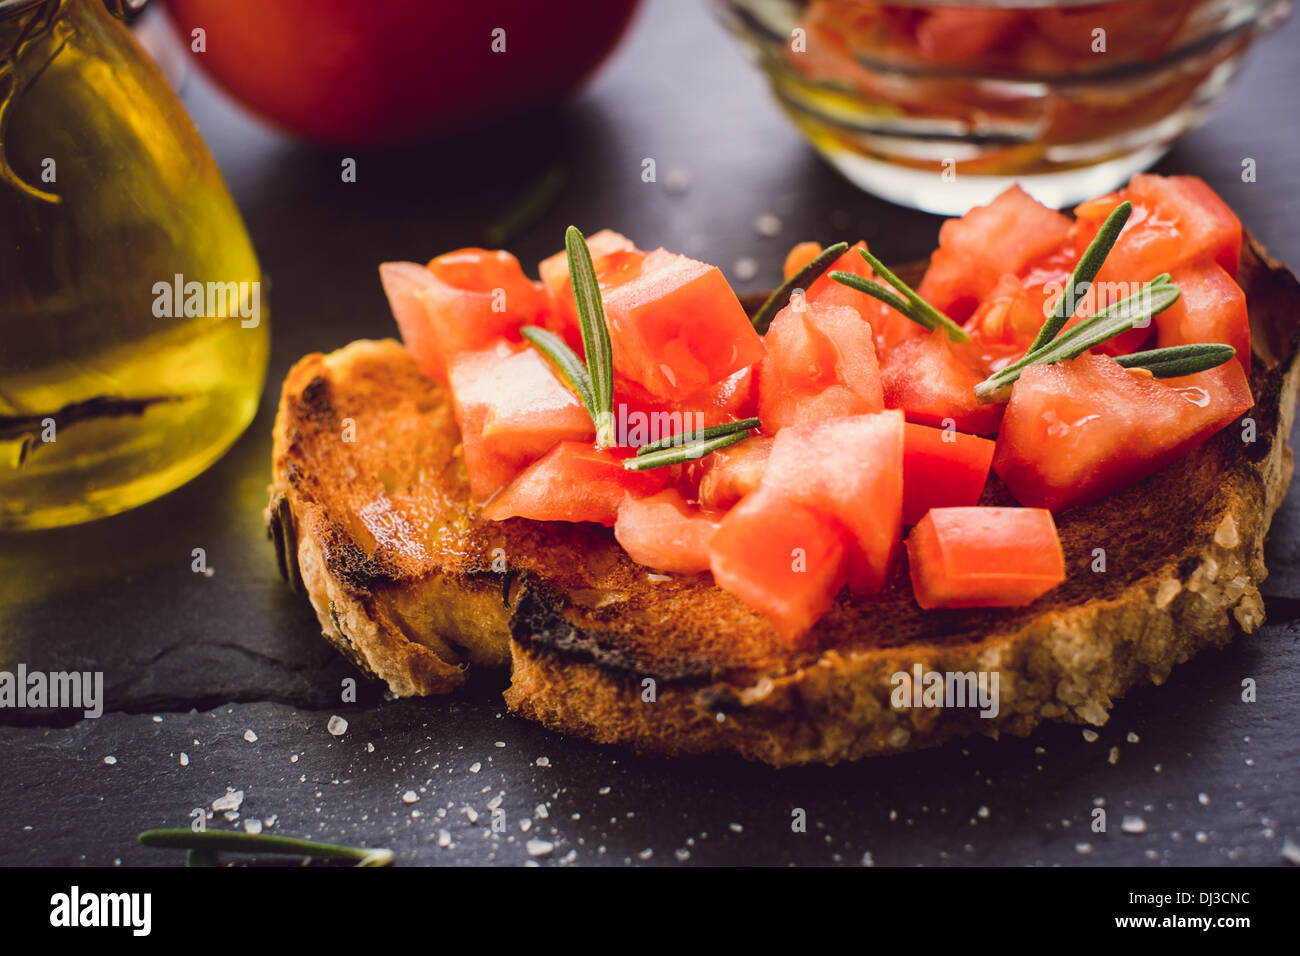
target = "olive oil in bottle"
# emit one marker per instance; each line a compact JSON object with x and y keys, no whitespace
{"x":114,"y":388}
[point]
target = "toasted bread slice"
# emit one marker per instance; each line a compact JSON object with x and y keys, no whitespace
{"x":370,"y":512}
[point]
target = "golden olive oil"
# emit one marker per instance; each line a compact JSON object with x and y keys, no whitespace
{"x":111,"y":393}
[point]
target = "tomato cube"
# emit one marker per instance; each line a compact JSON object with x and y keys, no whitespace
{"x":574,"y":481}
{"x":942,"y":468}
{"x":1008,"y":235}
{"x":460,"y":302}
{"x":849,"y":470}
{"x":821,"y":364}
{"x":511,"y":410}
{"x":984,"y":557}
{"x":1212,"y":308}
{"x":1176,"y":220}
{"x":734,"y":472}
{"x":888,"y":325}
{"x":933,"y":386}
{"x":665,"y":533}
{"x":614,"y":257}
{"x":1079,"y":430}
{"x":676,"y":327}
{"x":783,"y":560}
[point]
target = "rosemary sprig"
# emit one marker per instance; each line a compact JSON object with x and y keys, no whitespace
{"x":1179,"y":360}
{"x":595,"y":335}
{"x":1150,"y":300}
{"x":909,"y":303}
{"x":558,"y":351}
{"x":704,"y":434}
{"x":204,"y":845}
{"x":691,"y":451}
{"x":762,"y":319}
{"x":1085,"y":270}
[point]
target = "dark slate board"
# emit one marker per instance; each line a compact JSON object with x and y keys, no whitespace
{"x":216,"y":656}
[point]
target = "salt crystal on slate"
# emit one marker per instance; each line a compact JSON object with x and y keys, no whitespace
{"x":1090,"y":735}
{"x":337,"y":726}
{"x":110,"y":760}
{"x":410,"y":796}
{"x":539,"y":847}
{"x":252,"y":826}
{"x":1131,"y":824}
{"x":231,"y":800}
{"x":250,"y":736}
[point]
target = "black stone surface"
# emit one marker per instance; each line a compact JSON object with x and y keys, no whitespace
{"x":192,"y":662}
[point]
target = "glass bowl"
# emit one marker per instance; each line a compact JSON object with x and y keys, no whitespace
{"x":941,"y":106}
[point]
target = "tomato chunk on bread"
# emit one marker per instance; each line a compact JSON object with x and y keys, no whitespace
{"x":459,"y":302}
{"x":1079,"y":430}
{"x":511,"y":410}
{"x":574,"y":481}
{"x":984,"y":557}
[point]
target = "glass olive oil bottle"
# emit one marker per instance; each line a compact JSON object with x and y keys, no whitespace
{"x":133,"y":333}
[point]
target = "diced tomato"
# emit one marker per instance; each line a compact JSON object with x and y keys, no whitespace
{"x":511,"y":410}
{"x":927,"y":380}
{"x":1011,"y":314}
{"x":460,"y":302}
{"x":1176,"y":220}
{"x":1079,"y":430}
{"x":851,"y":471}
{"x":665,"y":533}
{"x":733,"y":472}
{"x":953,"y":36}
{"x":889,"y":325}
{"x":575,"y":481}
{"x":676,"y":327}
{"x":642,"y":418}
{"x":984,"y":557}
{"x":821,"y":363}
{"x":799,"y":256}
{"x":614,"y":257}
{"x":783,"y":560}
{"x":1212,"y":308}
{"x":942,"y":468}
{"x":1008,"y":235}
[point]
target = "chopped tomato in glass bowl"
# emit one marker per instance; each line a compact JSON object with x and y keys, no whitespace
{"x":942,"y":105}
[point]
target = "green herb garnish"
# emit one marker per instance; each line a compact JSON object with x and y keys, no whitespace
{"x":1085,"y":270}
{"x":910,"y":304}
{"x":691,"y":450}
{"x":593,"y":381}
{"x":1150,"y":300}
{"x":572,"y":367}
{"x":762,"y":319}
{"x":1177,"y":360}
{"x":595,"y":335}
{"x":203,"y":846}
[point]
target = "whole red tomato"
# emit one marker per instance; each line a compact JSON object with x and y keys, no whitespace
{"x":386,"y":72}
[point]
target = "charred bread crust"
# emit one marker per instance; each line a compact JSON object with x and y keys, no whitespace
{"x":585,"y":629}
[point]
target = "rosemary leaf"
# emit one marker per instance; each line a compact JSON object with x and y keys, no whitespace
{"x":1179,"y":360}
{"x":800,"y":280}
{"x":558,"y":351}
{"x":933,"y":318}
{"x":878,"y":291}
{"x":595,"y":334}
{"x":1085,"y":270}
{"x":704,"y":434}
{"x":214,"y":841}
{"x":691,"y":451}
{"x":1152,"y":299}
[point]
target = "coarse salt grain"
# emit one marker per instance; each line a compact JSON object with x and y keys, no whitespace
{"x":337,"y":726}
